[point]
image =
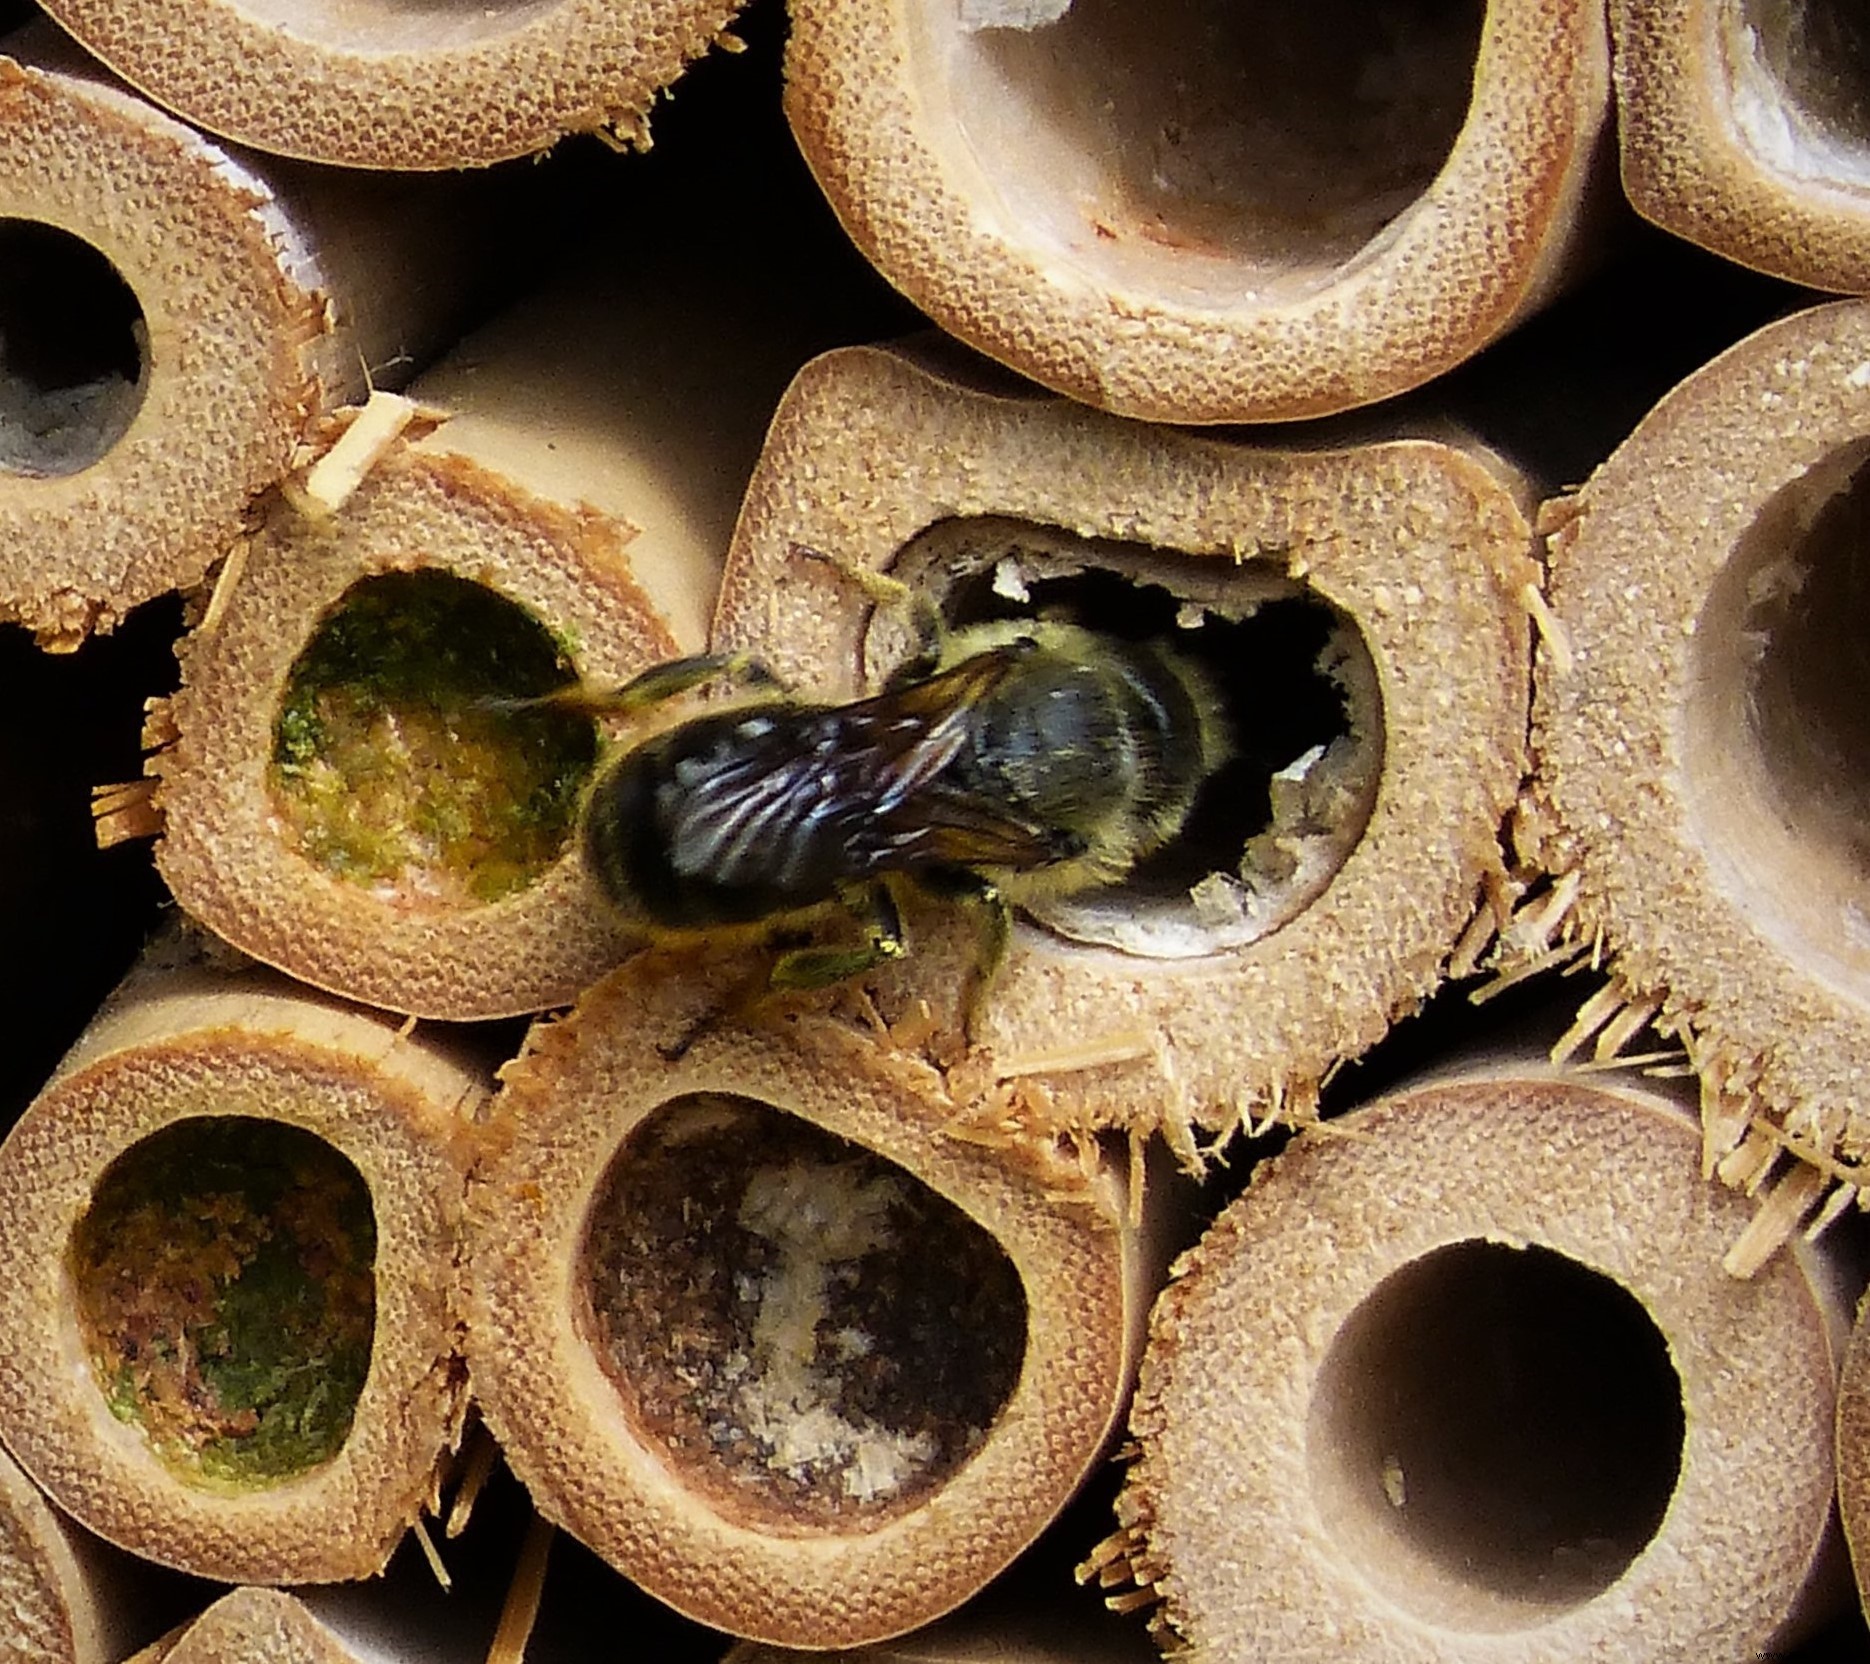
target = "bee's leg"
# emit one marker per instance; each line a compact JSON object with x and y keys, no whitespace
{"x":826,"y":967}
{"x":993,"y":916}
{"x":896,"y":596}
{"x":678,"y":676}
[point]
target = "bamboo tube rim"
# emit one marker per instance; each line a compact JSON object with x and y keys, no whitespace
{"x":376,"y":86}
{"x":1600,"y":1173}
{"x":395,"y":1111}
{"x":1732,"y":142}
{"x":914,"y":168}
{"x":567,"y":1106}
{"x":1728,"y":889}
{"x":221,"y":852}
{"x":1420,"y":545}
{"x":215,"y":269}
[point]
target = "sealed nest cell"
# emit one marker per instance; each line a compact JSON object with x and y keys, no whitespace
{"x":1356,"y":622}
{"x":232,"y":1316}
{"x":747,"y":1323}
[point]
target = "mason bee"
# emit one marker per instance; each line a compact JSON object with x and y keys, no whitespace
{"x":1005,"y":762}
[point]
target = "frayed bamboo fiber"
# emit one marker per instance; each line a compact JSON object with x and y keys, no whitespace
{"x":252,"y":1626}
{"x":1460,"y":1376}
{"x":379,"y":85}
{"x":1209,"y":213}
{"x":578,"y":498}
{"x":228,"y":1183}
{"x":1230,"y":988}
{"x":1699,"y":741}
{"x":62,"y":1595}
{"x":1743,"y":128}
{"x":749,"y":1322}
{"x":174,"y":315}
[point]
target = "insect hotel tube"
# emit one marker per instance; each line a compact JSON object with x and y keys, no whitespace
{"x":173,"y":316}
{"x":1217,"y":213}
{"x":1700,"y":741}
{"x":68,"y":1598}
{"x":751,"y":1324}
{"x":232,"y":1224}
{"x":1742,"y":127}
{"x":1460,"y":1376}
{"x":379,"y":85}
{"x":366,"y":789}
{"x":252,"y":1626}
{"x":1360,"y":613}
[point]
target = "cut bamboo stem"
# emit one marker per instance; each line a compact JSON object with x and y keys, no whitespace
{"x":1212,"y":213}
{"x":747,"y":1323}
{"x":1460,"y":1376}
{"x":1363,"y":613}
{"x":173,"y":317}
{"x":231,"y":1221}
{"x":1853,"y":1454}
{"x":379,"y":825}
{"x":1743,"y":128}
{"x":1700,"y":756}
{"x":378,"y":85}
{"x":252,"y":1626}
{"x":63,"y":1594}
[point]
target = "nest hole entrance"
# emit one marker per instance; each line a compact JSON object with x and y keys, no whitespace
{"x":415,"y":752}
{"x":1777,"y":727}
{"x":369,"y":27}
{"x":73,"y":352}
{"x":1799,"y":86}
{"x":1295,"y":691}
{"x":810,"y":1335}
{"x":1495,"y":1435}
{"x":1234,"y":151}
{"x":225,"y":1282}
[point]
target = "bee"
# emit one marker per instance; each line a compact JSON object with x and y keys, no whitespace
{"x":1002,"y":763}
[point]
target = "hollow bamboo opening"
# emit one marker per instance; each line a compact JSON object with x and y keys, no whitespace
{"x":1777,"y":751}
{"x":1799,"y":86}
{"x":410,"y":752}
{"x":817,"y":1336}
{"x":72,"y":351}
{"x":224,"y":1283}
{"x":1207,"y":148}
{"x":1293,"y":690}
{"x":1495,"y":1435}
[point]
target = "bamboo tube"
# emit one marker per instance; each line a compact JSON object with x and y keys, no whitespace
{"x":1214,"y":213}
{"x":753,"y":1327}
{"x":173,"y":316}
{"x":1461,"y":1377}
{"x":1041,"y":1636}
{"x":62,"y":1595}
{"x":566,"y":521}
{"x":1368,"y":601}
{"x":1742,"y":128}
{"x":1699,"y":736}
{"x":225,"y":1181}
{"x":380,"y":85}
{"x":252,"y":1626}
{"x":1853,"y":1453}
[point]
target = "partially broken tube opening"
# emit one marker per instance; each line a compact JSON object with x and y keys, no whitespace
{"x":812,"y":1338}
{"x":225,"y":1284}
{"x":416,"y":752}
{"x":1227,"y":150}
{"x":1495,"y":1435}
{"x":1799,"y":86}
{"x":1777,"y":753}
{"x":73,"y":351}
{"x":1297,"y":693}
